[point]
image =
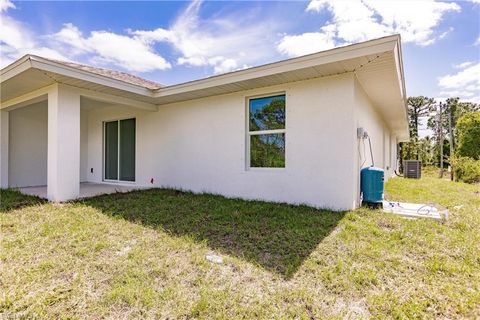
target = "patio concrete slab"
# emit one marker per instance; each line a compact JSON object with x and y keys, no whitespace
{"x":87,"y":189}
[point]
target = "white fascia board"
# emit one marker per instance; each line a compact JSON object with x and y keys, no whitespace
{"x":338,"y":54}
{"x":15,"y":68}
{"x":58,"y":68}
{"x":401,"y":79}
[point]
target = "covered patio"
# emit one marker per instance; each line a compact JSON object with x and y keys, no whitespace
{"x":52,"y":137}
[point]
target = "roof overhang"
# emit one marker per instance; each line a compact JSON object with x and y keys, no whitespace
{"x":31,"y":73}
{"x":377,"y":65}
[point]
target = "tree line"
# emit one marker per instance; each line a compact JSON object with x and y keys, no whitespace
{"x":446,"y":120}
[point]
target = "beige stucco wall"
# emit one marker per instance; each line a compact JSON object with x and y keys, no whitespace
{"x":199,"y":145}
{"x":28,"y":145}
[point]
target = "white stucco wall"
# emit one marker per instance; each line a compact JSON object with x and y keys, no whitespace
{"x":28,"y":130}
{"x":83,"y":145}
{"x":383,"y":141}
{"x":4,"y":141}
{"x":199,"y":145}
{"x":28,"y":145}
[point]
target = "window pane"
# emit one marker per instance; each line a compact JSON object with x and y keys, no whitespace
{"x":111,"y":150}
{"x":267,"y":150}
{"x":267,"y":113}
{"x":127,"y":150}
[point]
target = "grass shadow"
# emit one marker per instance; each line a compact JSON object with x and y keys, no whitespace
{"x":278,"y":237}
{"x":11,"y":199}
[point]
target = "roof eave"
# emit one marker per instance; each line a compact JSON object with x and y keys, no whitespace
{"x":332,"y":55}
{"x":15,"y":68}
{"x":36,"y":62}
{"x":64,"y":70}
{"x":405,"y":134}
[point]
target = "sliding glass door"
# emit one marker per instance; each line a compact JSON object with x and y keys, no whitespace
{"x":119,"y":153}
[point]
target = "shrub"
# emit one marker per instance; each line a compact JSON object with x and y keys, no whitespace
{"x":466,"y":169}
{"x":468,"y":135}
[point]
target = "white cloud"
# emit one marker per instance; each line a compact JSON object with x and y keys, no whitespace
{"x":5,"y":5}
{"x":353,"y":20}
{"x":225,"y":44}
{"x":16,"y":40}
{"x":468,"y":76}
{"x":446,"y":33}
{"x":13,"y":34}
{"x":463,"y":65}
{"x":477,"y":42}
{"x":68,"y":43}
{"x":128,"y":52}
{"x":222,"y":64}
{"x":464,"y":84}
{"x":306,"y":43}
{"x":102,"y":47}
{"x":360,"y":20}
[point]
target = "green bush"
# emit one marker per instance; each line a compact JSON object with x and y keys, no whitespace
{"x":468,"y":135}
{"x":466,"y":169}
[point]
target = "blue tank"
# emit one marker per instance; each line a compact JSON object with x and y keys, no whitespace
{"x":371,"y":181}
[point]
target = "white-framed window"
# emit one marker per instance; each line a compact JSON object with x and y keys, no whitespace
{"x":266,"y":131}
{"x":119,"y":150}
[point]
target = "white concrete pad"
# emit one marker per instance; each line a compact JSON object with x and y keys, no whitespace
{"x":415,"y":210}
{"x":87,"y":189}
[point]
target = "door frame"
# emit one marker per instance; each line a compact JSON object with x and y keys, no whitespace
{"x":118,"y":160}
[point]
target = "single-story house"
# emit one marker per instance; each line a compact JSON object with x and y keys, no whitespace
{"x":283,"y":132}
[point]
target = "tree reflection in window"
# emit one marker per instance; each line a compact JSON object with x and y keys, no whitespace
{"x":267,"y":132}
{"x":267,"y":113}
{"x":267,"y":150}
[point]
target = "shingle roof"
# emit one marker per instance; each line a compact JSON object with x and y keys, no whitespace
{"x":117,"y":75}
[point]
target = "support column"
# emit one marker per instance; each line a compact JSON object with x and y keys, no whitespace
{"x":4,"y":148}
{"x":63,"y":169}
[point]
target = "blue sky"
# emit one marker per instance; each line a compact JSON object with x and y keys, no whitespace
{"x":173,"y":42}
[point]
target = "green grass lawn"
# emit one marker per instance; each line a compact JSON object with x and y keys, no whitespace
{"x":142,"y":255}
